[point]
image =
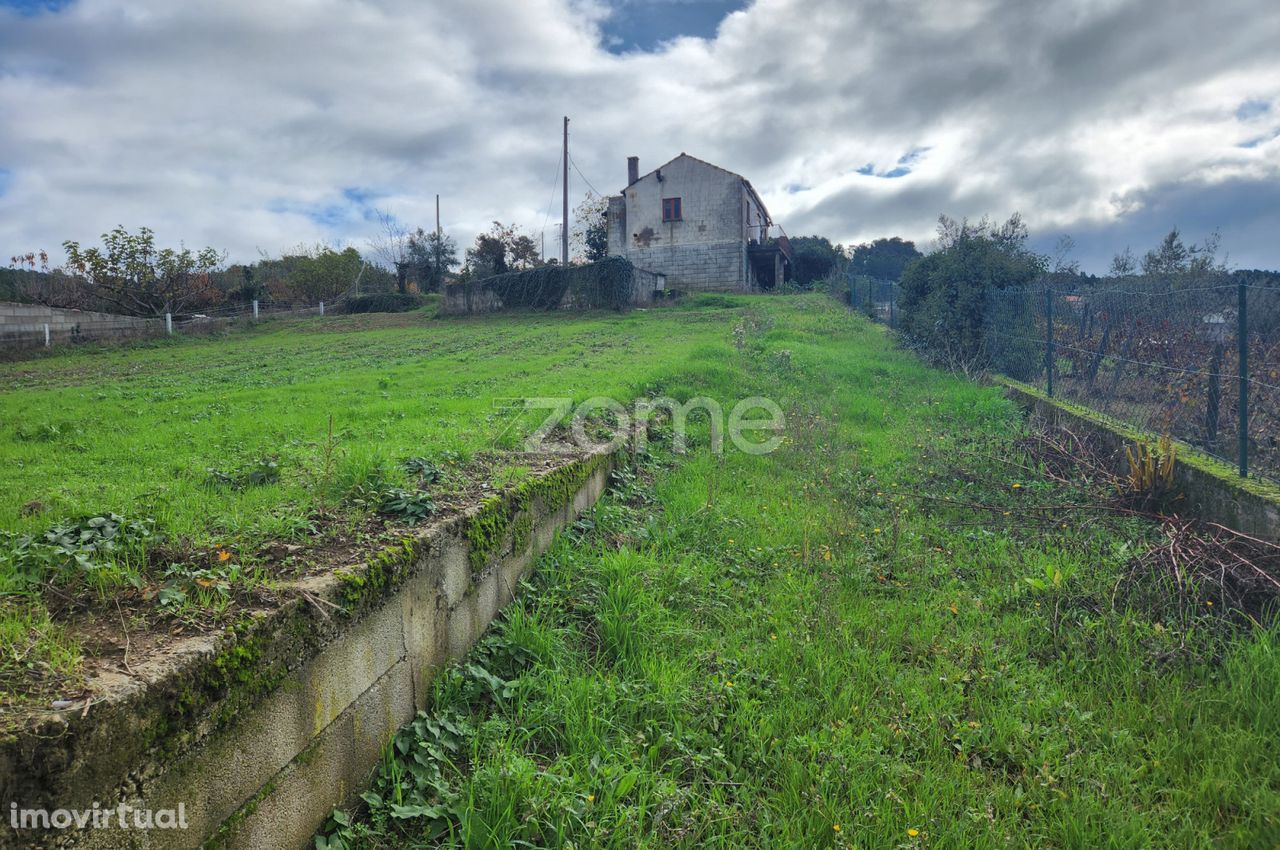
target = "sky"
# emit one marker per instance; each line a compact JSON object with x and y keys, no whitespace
{"x":257,"y":127}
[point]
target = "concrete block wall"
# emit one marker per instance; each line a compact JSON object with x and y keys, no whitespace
{"x":24,"y":324}
{"x":699,"y":266}
{"x":269,"y":776}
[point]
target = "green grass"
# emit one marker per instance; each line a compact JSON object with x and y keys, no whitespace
{"x":823,"y":647}
{"x":220,"y":446}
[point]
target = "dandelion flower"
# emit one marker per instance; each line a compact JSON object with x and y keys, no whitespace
{"x":591,"y":798}
{"x":1017,"y":486}
{"x":835,"y":827}
{"x":913,"y":832}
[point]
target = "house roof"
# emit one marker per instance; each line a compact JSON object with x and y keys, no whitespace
{"x":745,"y":181}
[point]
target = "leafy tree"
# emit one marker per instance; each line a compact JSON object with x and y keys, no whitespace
{"x":1173,"y":257}
{"x":137,"y":279}
{"x":944,"y":297}
{"x":814,"y":258}
{"x":589,"y":238}
{"x":501,"y":250}
{"x":883,"y":259}
{"x":432,"y":256}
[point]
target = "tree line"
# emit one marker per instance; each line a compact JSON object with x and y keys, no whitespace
{"x":130,"y":274}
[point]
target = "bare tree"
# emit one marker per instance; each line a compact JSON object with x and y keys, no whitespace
{"x":391,"y":247}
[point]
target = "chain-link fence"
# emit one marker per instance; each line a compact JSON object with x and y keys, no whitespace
{"x":876,"y":297}
{"x":1197,"y":360}
{"x":1166,"y":357}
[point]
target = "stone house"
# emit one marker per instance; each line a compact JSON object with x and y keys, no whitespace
{"x":701,"y":227}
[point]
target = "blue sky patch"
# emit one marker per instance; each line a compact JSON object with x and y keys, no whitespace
{"x":35,"y":7}
{"x":901,"y":169}
{"x":1252,"y":109}
{"x":1260,"y":140}
{"x":6,"y":177}
{"x":357,"y":205}
{"x":644,"y":24}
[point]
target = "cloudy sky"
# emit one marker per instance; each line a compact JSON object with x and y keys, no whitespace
{"x":255,"y":126}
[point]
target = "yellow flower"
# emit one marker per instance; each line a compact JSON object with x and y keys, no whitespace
{"x":772,"y":636}
{"x":835,"y":827}
{"x":728,"y":684}
{"x":224,"y":555}
{"x":913,"y":832}
{"x":591,"y":798}
{"x":1017,"y":486}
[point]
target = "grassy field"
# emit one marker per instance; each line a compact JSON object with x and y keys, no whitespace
{"x":892,"y":632}
{"x":160,"y":471}
{"x":829,"y":646}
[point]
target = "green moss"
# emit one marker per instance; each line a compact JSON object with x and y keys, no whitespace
{"x":513,"y":510}
{"x":382,"y":571}
{"x":1187,"y":453}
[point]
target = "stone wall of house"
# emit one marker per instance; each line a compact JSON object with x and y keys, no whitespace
{"x":701,"y":266}
{"x":706,"y":249}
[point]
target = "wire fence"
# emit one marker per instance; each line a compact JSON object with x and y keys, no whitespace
{"x":1197,"y":359}
{"x":24,"y":327}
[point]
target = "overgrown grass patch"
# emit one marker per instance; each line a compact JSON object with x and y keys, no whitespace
{"x":860,"y":640}
{"x":295,"y":432}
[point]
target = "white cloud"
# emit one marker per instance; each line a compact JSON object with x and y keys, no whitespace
{"x":240,"y":124}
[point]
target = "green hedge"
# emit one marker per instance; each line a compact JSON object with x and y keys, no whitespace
{"x":606,"y":284}
{"x":381,"y":302}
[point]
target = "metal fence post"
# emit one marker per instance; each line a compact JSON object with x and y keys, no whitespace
{"x":1048,"y":339}
{"x":255,"y":309}
{"x":321,"y":308}
{"x":47,"y":342}
{"x":1242,"y":338}
{"x":168,"y":323}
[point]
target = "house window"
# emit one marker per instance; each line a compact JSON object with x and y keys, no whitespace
{"x":671,"y":209}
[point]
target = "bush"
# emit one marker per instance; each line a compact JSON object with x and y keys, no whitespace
{"x":944,"y":298}
{"x":606,"y":284}
{"x":381,"y":302}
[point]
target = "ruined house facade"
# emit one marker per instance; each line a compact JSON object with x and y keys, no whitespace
{"x":699,"y":226}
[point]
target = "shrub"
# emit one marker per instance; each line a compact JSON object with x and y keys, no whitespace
{"x":944,"y":297}
{"x":381,"y":302}
{"x":606,"y":284}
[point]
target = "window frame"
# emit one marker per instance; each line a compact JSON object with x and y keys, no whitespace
{"x":672,"y":205}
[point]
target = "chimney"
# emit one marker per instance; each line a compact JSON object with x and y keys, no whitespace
{"x":633,"y":169}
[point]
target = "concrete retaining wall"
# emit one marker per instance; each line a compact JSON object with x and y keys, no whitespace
{"x":23,"y":324}
{"x":1212,"y":490}
{"x":260,"y":732}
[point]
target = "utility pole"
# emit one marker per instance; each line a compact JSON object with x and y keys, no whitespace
{"x":438,"y":272}
{"x":564,"y":229}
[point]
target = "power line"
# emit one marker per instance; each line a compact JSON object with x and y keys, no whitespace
{"x":583,"y":176}
{"x":551,"y":201}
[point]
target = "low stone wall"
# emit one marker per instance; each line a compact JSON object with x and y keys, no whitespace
{"x":23,"y":325}
{"x":259,"y":732}
{"x":477,"y":297}
{"x":1212,"y":490}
